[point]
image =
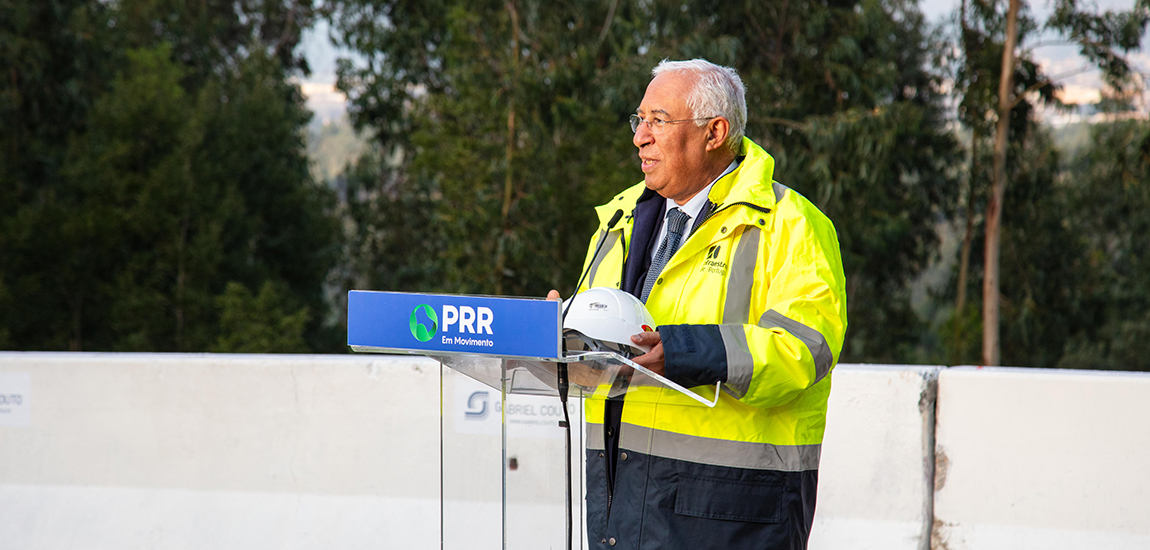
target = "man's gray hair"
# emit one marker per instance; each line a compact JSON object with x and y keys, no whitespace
{"x":718,"y":92}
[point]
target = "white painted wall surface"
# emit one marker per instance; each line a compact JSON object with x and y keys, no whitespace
{"x":1042,"y":459}
{"x":875,"y":474}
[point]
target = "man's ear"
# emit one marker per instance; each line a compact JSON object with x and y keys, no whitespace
{"x":717,"y":131}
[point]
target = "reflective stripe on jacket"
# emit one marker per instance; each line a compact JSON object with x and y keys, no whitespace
{"x":753,"y":298}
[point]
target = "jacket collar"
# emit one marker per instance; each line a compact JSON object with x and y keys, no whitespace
{"x":748,"y":184}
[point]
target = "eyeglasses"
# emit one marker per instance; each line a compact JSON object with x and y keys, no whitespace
{"x":656,"y":125}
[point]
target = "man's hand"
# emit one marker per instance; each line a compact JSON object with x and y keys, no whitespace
{"x":652,"y":360}
{"x":554,"y":295}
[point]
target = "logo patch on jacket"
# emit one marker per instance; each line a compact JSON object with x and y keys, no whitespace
{"x":713,"y":265}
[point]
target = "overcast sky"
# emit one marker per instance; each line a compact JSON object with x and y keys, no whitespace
{"x":1056,"y":60}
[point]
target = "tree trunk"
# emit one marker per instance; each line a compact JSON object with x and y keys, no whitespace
{"x":960,"y":335}
{"x":508,"y":182}
{"x":990,"y":292}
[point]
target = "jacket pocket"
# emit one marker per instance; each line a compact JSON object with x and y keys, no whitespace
{"x":712,"y":498}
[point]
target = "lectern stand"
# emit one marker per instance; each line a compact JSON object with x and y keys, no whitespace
{"x":503,"y":483}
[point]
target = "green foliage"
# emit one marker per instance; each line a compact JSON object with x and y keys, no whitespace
{"x":283,"y":229}
{"x":135,"y":191}
{"x":1043,"y":271}
{"x":389,"y":239}
{"x":52,"y":72}
{"x":839,"y":94}
{"x":153,"y":170}
{"x":1075,"y":293}
{"x":173,"y":164}
{"x":885,"y":181}
{"x":1111,"y":194}
{"x":448,"y":204}
{"x":211,"y":38}
{"x":1073,"y":139}
{"x":1042,"y":254}
{"x":961,"y":337}
{"x":1098,"y":35}
{"x":1046,"y":279}
{"x":5,"y":333}
{"x":330,"y":146}
{"x":977,"y":65}
{"x":259,"y":324}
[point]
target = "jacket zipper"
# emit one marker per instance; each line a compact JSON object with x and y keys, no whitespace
{"x":610,"y":495}
{"x":720,"y":208}
{"x":623,"y":240}
{"x":607,"y":470}
{"x":716,"y":208}
{"x":622,"y":262}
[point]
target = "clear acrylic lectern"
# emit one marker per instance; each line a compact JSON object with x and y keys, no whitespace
{"x":504,"y":479}
{"x":503,"y":465}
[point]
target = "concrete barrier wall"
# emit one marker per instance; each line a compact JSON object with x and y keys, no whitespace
{"x":229,"y":451}
{"x":1042,"y":459}
{"x":200,"y":451}
{"x":232,"y":451}
{"x":876,"y":471}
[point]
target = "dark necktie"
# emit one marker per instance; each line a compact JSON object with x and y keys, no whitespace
{"x":676,"y":221}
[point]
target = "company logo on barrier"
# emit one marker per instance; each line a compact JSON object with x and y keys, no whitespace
{"x":420,"y":330}
{"x":476,"y":405}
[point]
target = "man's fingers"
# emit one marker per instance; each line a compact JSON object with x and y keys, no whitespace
{"x":553,"y":295}
{"x":646,"y":338}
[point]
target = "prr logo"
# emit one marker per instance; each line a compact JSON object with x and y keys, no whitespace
{"x":419,"y":330}
{"x":473,"y":320}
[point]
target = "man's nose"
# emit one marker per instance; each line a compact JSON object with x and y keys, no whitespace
{"x":643,"y":135}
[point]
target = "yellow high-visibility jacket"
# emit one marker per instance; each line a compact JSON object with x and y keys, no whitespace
{"x":754,"y":298}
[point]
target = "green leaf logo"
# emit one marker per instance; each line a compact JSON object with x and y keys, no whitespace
{"x":419,"y":330}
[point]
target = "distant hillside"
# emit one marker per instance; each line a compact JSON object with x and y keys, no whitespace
{"x":1071,"y":139}
{"x":331,"y":146}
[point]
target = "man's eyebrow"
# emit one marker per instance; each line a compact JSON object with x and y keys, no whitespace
{"x":653,"y":111}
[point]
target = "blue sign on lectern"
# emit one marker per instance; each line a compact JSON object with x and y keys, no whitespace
{"x":431,"y":324}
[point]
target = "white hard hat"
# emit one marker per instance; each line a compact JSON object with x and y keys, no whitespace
{"x":604,"y":319}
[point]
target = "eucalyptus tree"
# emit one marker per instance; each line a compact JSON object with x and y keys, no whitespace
{"x":1103,"y":39}
{"x":977,"y":64}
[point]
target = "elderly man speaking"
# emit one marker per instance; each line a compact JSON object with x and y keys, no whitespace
{"x":744,"y":278}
